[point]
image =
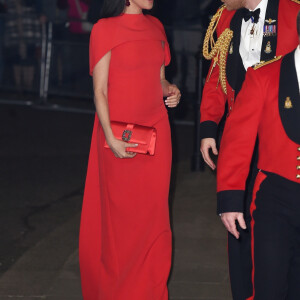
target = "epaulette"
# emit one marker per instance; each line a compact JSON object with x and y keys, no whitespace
{"x":217,"y":50}
{"x":296,"y":1}
{"x":265,"y":63}
{"x":217,"y":16}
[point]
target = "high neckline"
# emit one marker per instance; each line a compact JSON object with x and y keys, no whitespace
{"x":127,"y":14}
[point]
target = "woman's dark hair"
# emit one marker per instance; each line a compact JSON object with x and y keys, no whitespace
{"x":112,"y":8}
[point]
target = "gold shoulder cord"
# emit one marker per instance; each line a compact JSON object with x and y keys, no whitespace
{"x":297,"y":1}
{"x":219,"y":49}
{"x":265,"y":63}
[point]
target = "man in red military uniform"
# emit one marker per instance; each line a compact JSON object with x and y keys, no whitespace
{"x":268,"y":106}
{"x":250,"y":31}
{"x":264,"y":31}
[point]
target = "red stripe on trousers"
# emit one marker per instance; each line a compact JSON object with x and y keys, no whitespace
{"x":259,"y":180}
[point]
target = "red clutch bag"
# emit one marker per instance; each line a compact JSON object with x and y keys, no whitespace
{"x":144,"y":136}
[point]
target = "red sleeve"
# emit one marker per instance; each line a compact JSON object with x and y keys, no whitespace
{"x":238,"y":143}
{"x":100,"y":42}
{"x":212,"y":104}
{"x":213,"y":98}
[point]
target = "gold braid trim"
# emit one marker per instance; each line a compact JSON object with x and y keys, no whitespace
{"x":265,"y":63}
{"x":219,"y":49}
{"x":297,"y":1}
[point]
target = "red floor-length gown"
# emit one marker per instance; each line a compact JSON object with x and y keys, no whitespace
{"x":125,"y":236}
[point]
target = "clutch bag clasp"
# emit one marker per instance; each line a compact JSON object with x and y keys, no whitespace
{"x":126,"y":136}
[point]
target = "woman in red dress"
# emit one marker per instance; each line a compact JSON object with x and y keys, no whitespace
{"x":125,"y":237}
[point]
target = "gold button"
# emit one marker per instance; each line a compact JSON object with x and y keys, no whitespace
{"x":298,"y":148}
{"x":298,"y":176}
{"x":230,"y":108}
{"x":298,"y":157}
{"x":298,"y":167}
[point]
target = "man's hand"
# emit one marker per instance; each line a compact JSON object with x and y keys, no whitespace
{"x":206,"y":144}
{"x":229,"y":221}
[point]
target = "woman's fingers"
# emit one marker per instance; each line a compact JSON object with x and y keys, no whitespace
{"x":172,"y":105}
{"x":174,"y":96}
{"x":129,"y":155}
{"x":125,"y":155}
{"x":119,"y":149}
{"x":173,"y":101}
{"x":129,"y":145}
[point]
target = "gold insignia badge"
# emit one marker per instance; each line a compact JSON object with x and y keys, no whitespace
{"x":231,"y":49}
{"x":288,"y":103}
{"x":268,"y":49}
{"x":270,"y":21}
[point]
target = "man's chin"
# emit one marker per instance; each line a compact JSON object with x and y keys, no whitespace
{"x":228,"y":7}
{"x":232,"y":8}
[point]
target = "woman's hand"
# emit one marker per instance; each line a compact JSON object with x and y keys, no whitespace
{"x":119,"y":148}
{"x":174,"y":96}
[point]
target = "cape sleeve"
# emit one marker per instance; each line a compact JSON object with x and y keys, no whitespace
{"x":166,"y":45}
{"x":101,"y":41}
{"x":164,"y":38}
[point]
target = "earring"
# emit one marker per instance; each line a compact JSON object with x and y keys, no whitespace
{"x":127,"y":2}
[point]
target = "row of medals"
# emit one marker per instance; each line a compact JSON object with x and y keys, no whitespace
{"x":269,"y":31}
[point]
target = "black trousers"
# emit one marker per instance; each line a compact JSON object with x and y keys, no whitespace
{"x":276,"y":238}
{"x":239,"y":251}
{"x":240,"y":255}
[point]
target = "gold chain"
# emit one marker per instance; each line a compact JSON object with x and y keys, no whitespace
{"x":219,"y":49}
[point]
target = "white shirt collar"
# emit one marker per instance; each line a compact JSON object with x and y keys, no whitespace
{"x":250,"y":46}
{"x":297,"y":63}
{"x":297,"y":56}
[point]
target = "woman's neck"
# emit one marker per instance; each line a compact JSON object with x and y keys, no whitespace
{"x":133,"y":9}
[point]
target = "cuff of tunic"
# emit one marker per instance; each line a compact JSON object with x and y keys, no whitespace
{"x":230,"y":201}
{"x":208,"y":129}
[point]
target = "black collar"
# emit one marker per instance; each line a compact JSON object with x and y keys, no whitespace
{"x":289,"y":98}
{"x":235,"y":70}
{"x":269,"y":44}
